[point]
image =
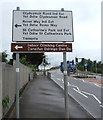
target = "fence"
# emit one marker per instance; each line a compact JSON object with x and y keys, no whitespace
{"x":8,"y":84}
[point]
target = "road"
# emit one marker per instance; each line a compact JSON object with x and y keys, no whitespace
{"x":87,"y":94}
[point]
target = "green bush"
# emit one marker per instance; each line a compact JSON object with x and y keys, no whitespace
{"x":5,"y":102}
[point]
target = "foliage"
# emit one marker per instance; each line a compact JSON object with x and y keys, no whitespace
{"x":3,"y":56}
{"x":34,"y":69}
{"x":10,"y":62}
{"x":5,"y":102}
{"x":93,"y":66}
{"x":30,"y":58}
{"x":80,"y":67}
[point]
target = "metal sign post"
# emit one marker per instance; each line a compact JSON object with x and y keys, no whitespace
{"x":17,"y":85}
{"x":17,"y":82}
{"x":65,"y":84}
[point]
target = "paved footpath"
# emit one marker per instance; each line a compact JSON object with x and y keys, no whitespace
{"x":42,"y":98}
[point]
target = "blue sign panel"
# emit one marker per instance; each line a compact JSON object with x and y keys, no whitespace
{"x":85,"y":64}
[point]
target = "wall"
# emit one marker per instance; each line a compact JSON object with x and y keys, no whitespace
{"x":8,"y":82}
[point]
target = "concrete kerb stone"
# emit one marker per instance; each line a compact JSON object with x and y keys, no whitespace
{"x":83,"y":108}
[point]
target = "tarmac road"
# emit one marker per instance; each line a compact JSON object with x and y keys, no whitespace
{"x":87,"y":94}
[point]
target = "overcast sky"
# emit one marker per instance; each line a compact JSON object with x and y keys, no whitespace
{"x":86,"y":25}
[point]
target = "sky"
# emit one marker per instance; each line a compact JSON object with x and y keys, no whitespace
{"x":86,"y":26}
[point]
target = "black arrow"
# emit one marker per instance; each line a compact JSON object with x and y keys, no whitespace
{"x":16,"y":25}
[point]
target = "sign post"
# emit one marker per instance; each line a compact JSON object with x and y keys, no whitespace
{"x":17,"y":85}
{"x":17,"y":81}
{"x":65,"y":84}
{"x":31,"y":28}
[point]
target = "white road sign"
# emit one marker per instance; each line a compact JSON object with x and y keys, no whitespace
{"x":42,"y":25}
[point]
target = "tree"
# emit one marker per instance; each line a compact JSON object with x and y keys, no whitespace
{"x":89,"y":62}
{"x":93,"y":66}
{"x":99,"y":67}
{"x":81,"y":64}
{"x":30,"y":58}
{"x":3,"y":56}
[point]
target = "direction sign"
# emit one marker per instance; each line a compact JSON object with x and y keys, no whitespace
{"x":41,"y":47}
{"x":42,"y":25}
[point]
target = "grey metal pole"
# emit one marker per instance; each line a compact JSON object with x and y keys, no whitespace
{"x":17,"y":82}
{"x":65,"y":84}
{"x":17,"y":85}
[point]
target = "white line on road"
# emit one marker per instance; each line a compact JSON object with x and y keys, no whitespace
{"x":62,"y":80}
{"x":68,"y":84}
{"x":59,"y":79}
{"x":93,"y":96}
{"x":80,"y":92}
{"x":77,"y":89}
{"x":97,"y":85}
{"x":101,"y":105}
{"x":83,"y":80}
{"x":73,"y":86}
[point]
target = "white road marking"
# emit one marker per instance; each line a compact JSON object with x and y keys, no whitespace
{"x":80,"y":92}
{"x":83,"y":80}
{"x":93,"y":96}
{"x":62,"y":80}
{"x":76,"y":88}
{"x":59,"y":79}
{"x":73,"y":86}
{"x":68,"y":83}
{"x":101,"y":105}
{"x":97,"y":85}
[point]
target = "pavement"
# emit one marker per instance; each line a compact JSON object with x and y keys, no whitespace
{"x":43,"y":98}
